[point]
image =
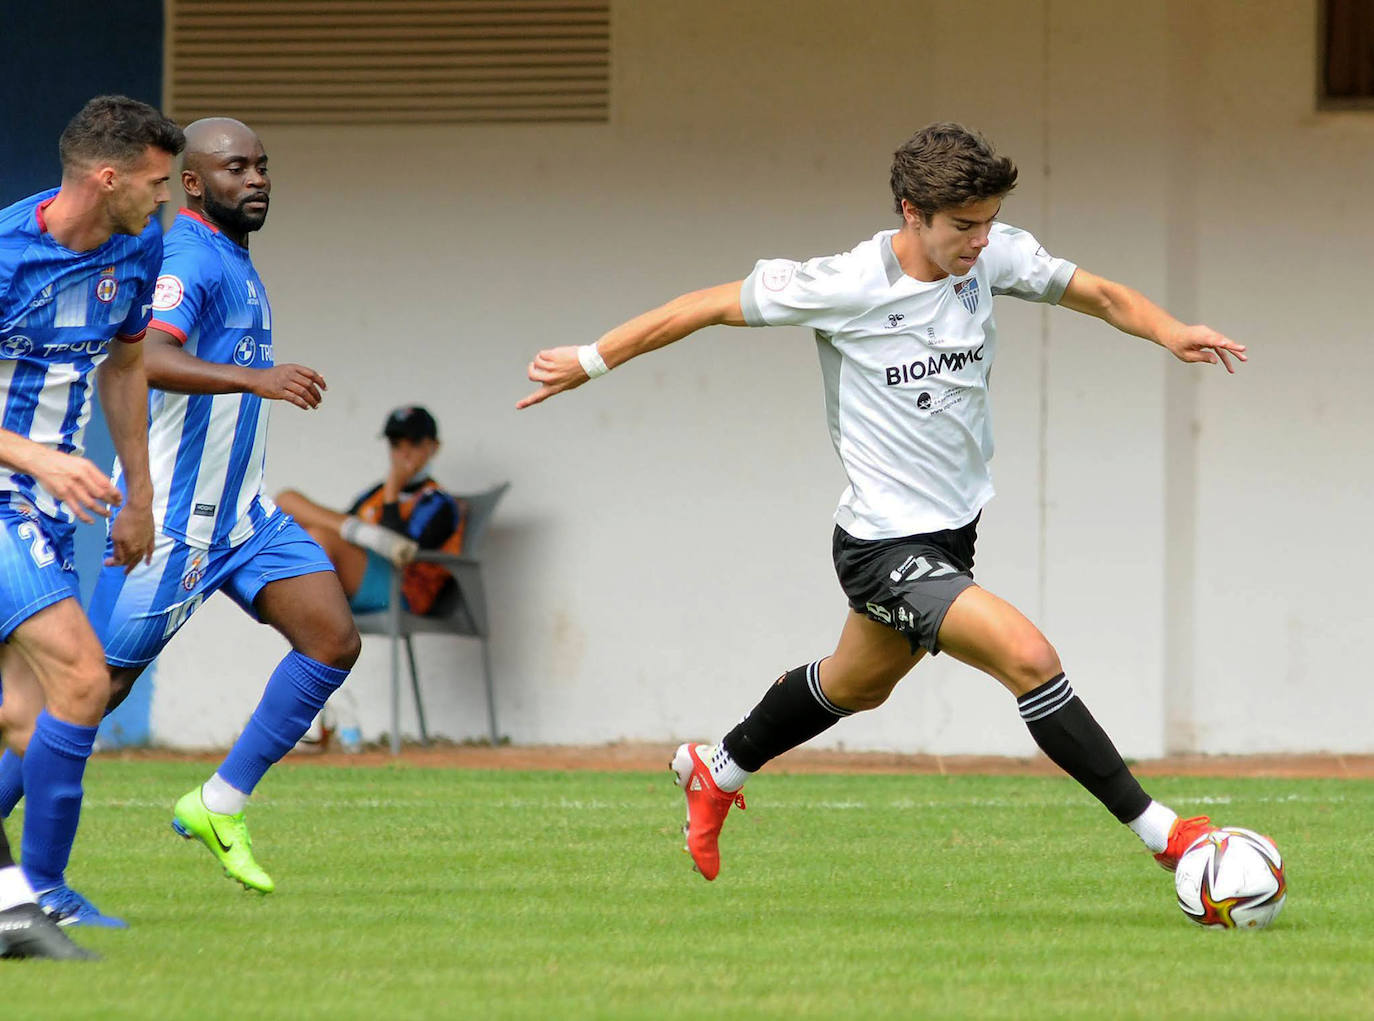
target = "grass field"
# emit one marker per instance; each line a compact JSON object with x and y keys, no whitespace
{"x":423,"y":893}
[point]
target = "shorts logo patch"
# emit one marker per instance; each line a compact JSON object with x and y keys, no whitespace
{"x":880,"y":613}
{"x":204,"y":510}
{"x":914,"y":568}
{"x":195,"y":572}
{"x":168,"y":292}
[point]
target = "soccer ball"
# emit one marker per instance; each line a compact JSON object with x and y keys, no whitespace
{"x":1231,"y":879}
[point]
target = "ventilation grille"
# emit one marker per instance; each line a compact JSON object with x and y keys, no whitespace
{"x":390,"y":61}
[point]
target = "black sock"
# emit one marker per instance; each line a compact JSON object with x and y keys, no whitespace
{"x":793,"y":711}
{"x":1068,"y":734}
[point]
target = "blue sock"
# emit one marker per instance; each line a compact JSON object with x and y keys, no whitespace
{"x":53,"y":767}
{"x":11,"y":782}
{"x":296,"y":691}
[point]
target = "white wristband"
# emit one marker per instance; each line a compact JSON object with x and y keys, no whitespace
{"x":592,"y":362}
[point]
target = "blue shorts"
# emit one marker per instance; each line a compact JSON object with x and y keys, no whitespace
{"x":136,"y":614}
{"x":374,"y":591}
{"x":36,"y":562}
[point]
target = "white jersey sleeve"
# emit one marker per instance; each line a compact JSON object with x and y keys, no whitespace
{"x":823,"y":293}
{"x":1018,"y":265}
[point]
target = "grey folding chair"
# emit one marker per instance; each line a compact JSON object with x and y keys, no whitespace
{"x":463,"y":611}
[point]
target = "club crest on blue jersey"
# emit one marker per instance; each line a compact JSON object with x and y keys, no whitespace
{"x":968,"y":294}
{"x":244,"y":350}
{"x":107,"y":286}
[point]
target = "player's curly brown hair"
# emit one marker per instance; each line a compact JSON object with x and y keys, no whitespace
{"x":117,"y":130}
{"x":945,"y":165}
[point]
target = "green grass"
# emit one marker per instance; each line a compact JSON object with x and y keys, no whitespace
{"x":413,"y":893}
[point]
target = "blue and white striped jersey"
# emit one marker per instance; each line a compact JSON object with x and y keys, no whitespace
{"x":208,"y":451}
{"x":59,"y":310}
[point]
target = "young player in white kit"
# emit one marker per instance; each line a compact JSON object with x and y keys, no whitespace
{"x":905,"y":330}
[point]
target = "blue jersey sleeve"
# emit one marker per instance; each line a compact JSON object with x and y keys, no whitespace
{"x":150,"y":262}
{"x":187,"y":285}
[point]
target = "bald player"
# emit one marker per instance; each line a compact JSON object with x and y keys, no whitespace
{"x":209,"y":359}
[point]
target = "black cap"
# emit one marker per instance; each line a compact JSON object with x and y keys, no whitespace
{"x":411,"y":422}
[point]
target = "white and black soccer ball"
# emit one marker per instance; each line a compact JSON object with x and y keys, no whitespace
{"x":1231,"y":878}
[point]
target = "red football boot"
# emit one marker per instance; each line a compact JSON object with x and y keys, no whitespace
{"x":707,"y":806}
{"x":1182,"y":835}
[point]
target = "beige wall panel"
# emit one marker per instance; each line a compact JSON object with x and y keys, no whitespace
{"x":664,"y":551}
{"x":1287,"y":242}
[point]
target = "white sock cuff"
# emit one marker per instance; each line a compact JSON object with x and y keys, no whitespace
{"x":222,"y":797}
{"x":728,"y":775}
{"x":14,"y":888}
{"x":1152,"y":825}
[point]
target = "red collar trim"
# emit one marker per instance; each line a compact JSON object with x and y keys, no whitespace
{"x":38,"y":213}
{"x":183,"y":211}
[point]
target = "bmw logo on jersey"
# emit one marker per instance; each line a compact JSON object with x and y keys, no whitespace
{"x":15,"y":347}
{"x":244,"y":351}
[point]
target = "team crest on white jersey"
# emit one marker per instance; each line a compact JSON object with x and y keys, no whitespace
{"x":968,"y":294}
{"x":168,"y":292}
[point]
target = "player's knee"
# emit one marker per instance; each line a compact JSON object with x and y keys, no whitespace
{"x":16,"y":723}
{"x":859,"y":692}
{"x":81,"y":694}
{"x":17,"y":738}
{"x":339,"y":646}
{"x":862,"y":700}
{"x":1032,"y":662}
{"x":349,"y":649}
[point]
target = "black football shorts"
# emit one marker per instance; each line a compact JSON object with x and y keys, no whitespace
{"x":907,"y":583}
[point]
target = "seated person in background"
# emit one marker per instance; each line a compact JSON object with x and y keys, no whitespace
{"x":405,"y":512}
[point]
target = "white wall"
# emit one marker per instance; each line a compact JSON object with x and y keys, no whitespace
{"x":664,"y":551}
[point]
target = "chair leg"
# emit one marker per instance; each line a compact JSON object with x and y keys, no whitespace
{"x":394,"y":625}
{"x":415,"y":690}
{"x":491,"y":695}
{"x":395,"y":695}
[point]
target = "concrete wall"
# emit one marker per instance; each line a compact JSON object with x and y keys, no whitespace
{"x":1183,"y":537}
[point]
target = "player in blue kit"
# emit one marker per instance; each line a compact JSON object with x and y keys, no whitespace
{"x":78,"y":266}
{"x":209,"y":358}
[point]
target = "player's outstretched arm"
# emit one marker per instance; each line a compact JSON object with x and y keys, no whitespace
{"x":173,"y":369}
{"x":1131,"y":312}
{"x":75,"y":481}
{"x":124,"y":398}
{"x":561,"y":368}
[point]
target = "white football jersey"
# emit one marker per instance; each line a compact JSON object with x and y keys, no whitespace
{"x":905,"y":365}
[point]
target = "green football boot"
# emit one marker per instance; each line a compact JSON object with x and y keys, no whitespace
{"x":227,"y":838}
